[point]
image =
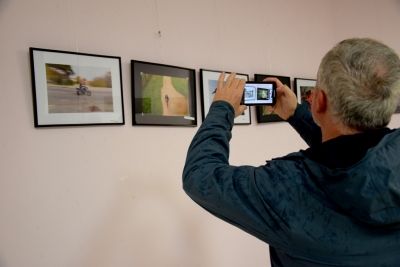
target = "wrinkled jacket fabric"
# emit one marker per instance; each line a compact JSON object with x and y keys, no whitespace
{"x":314,"y":207}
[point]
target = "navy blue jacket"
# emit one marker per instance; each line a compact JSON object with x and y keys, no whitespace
{"x":335,"y":204}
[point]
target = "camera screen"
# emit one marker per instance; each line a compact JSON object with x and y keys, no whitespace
{"x":259,"y":94}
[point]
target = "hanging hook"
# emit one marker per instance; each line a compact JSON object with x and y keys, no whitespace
{"x":159,"y":33}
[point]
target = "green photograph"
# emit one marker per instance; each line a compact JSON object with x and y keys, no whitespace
{"x":164,"y":95}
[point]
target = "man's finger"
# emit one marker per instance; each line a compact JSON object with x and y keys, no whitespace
{"x":234,"y":83}
{"x":230,"y":78}
{"x":271,"y":108}
{"x":280,"y":91}
{"x":272,"y":79}
{"x":242,"y":83}
{"x":221,"y":80}
{"x":242,"y":108}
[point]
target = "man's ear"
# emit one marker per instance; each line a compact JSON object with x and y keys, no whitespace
{"x":321,"y":101}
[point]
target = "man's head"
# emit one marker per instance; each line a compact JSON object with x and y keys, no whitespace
{"x":361,"y":81}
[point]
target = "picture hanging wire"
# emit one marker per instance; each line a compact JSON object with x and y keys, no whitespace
{"x":266,"y":53}
{"x":159,"y":31}
{"x":73,"y":25}
{"x":221,"y":61}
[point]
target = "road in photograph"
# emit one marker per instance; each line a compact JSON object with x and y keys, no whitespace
{"x":64,"y":99}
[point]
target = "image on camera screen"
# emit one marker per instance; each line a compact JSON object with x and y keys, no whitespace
{"x":263,"y":94}
{"x":258,"y":94}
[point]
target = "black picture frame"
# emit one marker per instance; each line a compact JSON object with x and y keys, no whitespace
{"x":171,"y":105}
{"x":75,"y":89}
{"x":208,"y":85}
{"x":304,"y":89}
{"x":263,"y":115}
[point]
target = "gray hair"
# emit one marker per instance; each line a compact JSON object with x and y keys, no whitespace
{"x":361,"y":80}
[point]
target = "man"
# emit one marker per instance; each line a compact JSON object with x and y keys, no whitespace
{"x":336,"y":203}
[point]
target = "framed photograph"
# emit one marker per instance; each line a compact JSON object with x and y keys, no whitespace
{"x":163,"y":94}
{"x":208,"y":84}
{"x":304,"y":89}
{"x":71,"y":89}
{"x":263,"y":114}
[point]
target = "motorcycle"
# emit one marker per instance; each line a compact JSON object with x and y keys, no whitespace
{"x":83,"y":90}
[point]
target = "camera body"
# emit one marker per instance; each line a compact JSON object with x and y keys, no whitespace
{"x":259,"y":93}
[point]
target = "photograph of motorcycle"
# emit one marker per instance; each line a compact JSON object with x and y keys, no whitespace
{"x":83,"y":90}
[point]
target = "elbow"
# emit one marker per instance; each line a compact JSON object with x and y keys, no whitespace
{"x":186,"y":188}
{"x":187,"y":183}
{"x":193,"y":181}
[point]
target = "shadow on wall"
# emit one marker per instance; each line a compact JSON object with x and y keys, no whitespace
{"x":3,"y":6}
{"x":146,"y":228}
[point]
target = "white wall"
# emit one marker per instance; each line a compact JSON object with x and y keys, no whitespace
{"x":111,"y":195}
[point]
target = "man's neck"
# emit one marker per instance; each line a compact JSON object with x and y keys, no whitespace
{"x":331,"y":129}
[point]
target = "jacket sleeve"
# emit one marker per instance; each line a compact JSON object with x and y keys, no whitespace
{"x":303,"y":122}
{"x":251,"y":198}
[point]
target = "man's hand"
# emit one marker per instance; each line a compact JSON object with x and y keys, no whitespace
{"x":231,"y":92}
{"x":286,"y":100}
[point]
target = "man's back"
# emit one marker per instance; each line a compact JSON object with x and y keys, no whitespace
{"x":353,"y":187}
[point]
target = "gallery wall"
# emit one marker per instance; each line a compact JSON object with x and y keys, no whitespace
{"x":112,"y":195}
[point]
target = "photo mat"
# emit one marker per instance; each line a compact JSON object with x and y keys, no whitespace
{"x":163,"y":94}
{"x":263,"y":115}
{"x":71,"y":89}
{"x":249,"y":93}
{"x":209,"y":84}
{"x":304,"y":89}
